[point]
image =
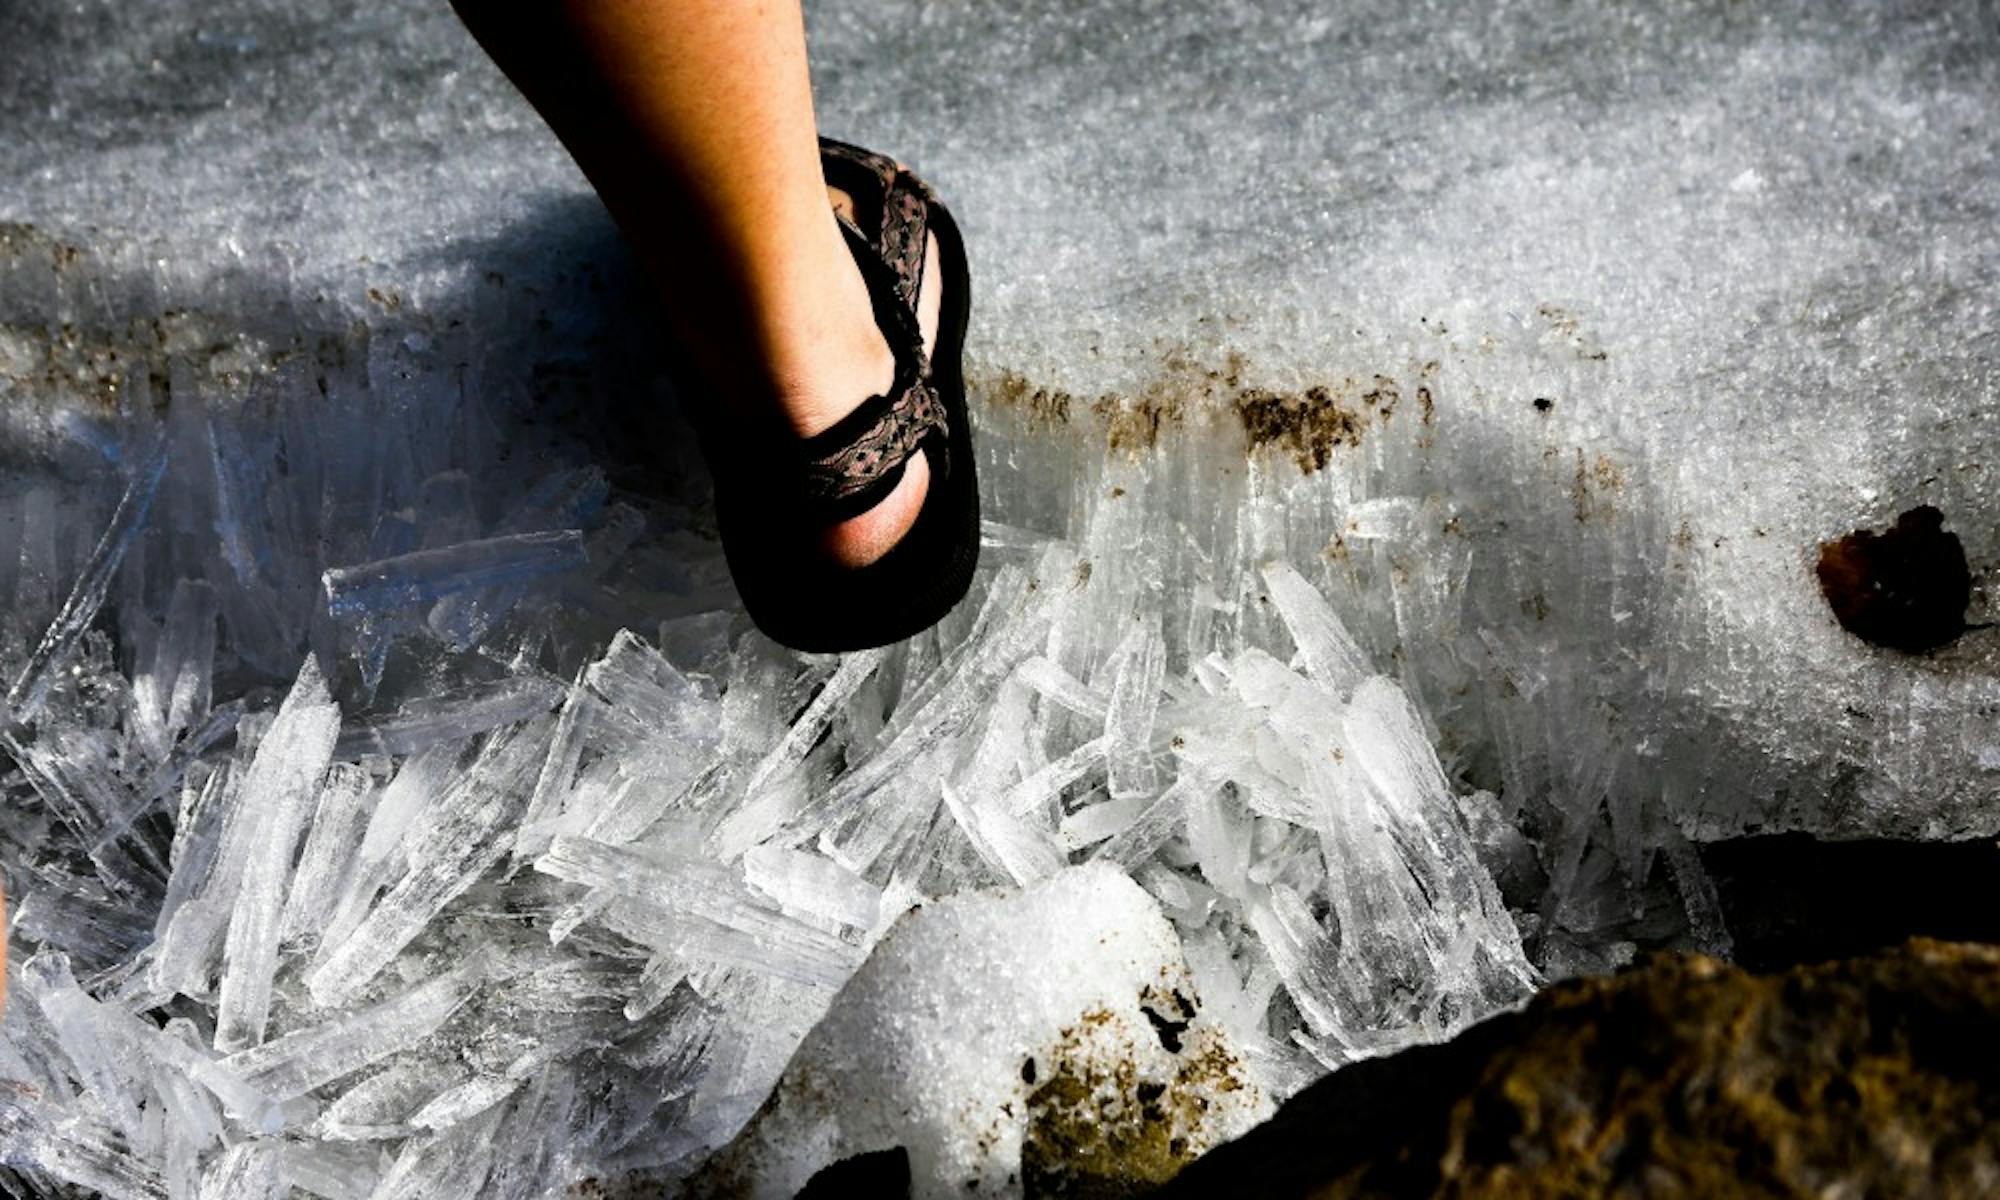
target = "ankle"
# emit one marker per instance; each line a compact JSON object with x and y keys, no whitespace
{"x":814,"y":383}
{"x":819,"y":349}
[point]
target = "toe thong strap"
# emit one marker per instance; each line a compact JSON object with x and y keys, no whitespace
{"x":849,"y":468}
{"x":903,"y":217}
{"x":892,"y":200}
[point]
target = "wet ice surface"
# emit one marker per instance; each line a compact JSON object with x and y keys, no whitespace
{"x":1407,"y":437}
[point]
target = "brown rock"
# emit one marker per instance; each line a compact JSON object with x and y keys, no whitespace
{"x":1875,"y":1076}
{"x":1905,"y":588}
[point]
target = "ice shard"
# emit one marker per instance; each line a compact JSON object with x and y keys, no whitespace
{"x":455,"y":841}
{"x":452,"y":717}
{"x":331,"y":845}
{"x":275,"y":799}
{"x":1135,"y":701}
{"x":246,"y":1171}
{"x":683,"y":906}
{"x":31,"y":686}
{"x":77,"y":1152}
{"x":424,"y":575}
{"x":1329,"y":652}
{"x":173,"y":693}
{"x":338,"y":1044}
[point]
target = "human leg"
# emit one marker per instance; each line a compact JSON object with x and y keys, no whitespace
{"x":694,"y":121}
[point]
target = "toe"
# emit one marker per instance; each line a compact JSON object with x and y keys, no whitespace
{"x":843,"y":203}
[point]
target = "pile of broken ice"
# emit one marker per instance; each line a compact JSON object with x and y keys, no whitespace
{"x":385,"y":947}
{"x":1386,"y":577}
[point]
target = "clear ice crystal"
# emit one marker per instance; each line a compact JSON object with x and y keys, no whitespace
{"x":331,"y":843}
{"x":451,"y":844}
{"x":309,"y":1058}
{"x":1135,"y":701}
{"x":106,"y":1074}
{"x":276,"y":797}
{"x":688,"y":907}
{"x":450,"y":718}
{"x":246,"y":1171}
{"x":31,"y":686}
{"x":810,"y":883}
{"x":421,"y":576}
{"x":1328,"y":651}
{"x":173,"y":693}
{"x":76,"y":1150}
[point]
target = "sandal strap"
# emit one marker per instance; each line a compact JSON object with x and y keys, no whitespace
{"x":848,"y":468}
{"x":896,"y":203}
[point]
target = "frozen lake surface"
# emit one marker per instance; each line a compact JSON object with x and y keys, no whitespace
{"x":1408,"y":434}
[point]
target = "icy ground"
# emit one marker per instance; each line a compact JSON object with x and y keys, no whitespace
{"x":1406,"y":431}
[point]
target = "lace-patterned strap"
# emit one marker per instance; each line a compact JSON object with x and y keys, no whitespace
{"x":895,"y":202}
{"x":849,"y":468}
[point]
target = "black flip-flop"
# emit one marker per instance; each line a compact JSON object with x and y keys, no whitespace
{"x":774,"y":497}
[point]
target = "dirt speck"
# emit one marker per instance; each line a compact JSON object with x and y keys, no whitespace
{"x":1170,"y":1014}
{"x":1045,"y":407}
{"x":1100,"y":1127}
{"x":1566,"y":326}
{"x":1595,"y":483}
{"x":1306,"y":426}
{"x":1383,"y":395}
{"x":1132,"y":425}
